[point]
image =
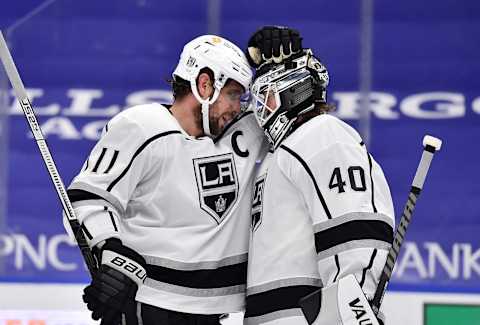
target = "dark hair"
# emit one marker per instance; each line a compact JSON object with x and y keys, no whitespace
{"x":323,"y":107}
{"x":319,"y":109}
{"x":181,"y":87}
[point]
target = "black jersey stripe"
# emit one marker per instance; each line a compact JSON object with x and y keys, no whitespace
{"x":99,"y":161}
{"x":229,"y":125}
{"x":82,"y":195}
{"x":337,"y":263}
{"x":112,"y":219}
{"x":368,"y":267}
{"x":370,"y":165}
{"x":112,"y":162}
{"x":353,"y":230}
{"x":277,"y":299}
{"x":309,"y":172}
{"x":371,"y":182}
{"x":86,"y":232}
{"x":139,"y":150}
{"x":224,"y":276}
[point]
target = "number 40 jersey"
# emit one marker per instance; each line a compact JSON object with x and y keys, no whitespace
{"x":322,"y":209}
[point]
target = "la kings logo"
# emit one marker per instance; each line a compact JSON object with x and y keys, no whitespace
{"x":217,"y":184}
{"x":257,"y":202}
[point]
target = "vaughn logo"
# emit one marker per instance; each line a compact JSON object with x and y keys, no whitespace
{"x":257,"y":202}
{"x":361,"y":314}
{"x":217,"y":183}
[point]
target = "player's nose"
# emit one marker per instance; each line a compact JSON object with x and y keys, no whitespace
{"x":236,"y":107}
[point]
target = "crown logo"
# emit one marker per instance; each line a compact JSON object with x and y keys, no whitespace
{"x":191,"y":61}
{"x":220,"y":204}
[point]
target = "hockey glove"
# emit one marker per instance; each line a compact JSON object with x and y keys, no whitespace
{"x":272,"y":44}
{"x":114,"y":286}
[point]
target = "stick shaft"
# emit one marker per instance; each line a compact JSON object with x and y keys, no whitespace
{"x":399,"y":236}
{"x":26,"y":105}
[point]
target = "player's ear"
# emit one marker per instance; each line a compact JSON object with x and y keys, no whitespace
{"x":204,"y":85}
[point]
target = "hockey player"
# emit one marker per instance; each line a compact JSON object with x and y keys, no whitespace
{"x":164,"y":197}
{"x":322,"y":213}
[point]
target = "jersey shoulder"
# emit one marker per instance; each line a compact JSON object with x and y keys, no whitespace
{"x":313,"y":139}
{"x":152,"y":119}
{"x":320,"y":133}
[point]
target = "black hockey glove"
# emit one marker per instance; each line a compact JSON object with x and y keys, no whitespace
{"x":114,"y":286}
{"x":272,"y":44}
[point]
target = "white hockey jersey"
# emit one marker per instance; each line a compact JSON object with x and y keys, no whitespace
{"x":183,"y":203}
{"x":322,"y":209}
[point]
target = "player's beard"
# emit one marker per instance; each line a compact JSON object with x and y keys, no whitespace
{"x":218,"y":123}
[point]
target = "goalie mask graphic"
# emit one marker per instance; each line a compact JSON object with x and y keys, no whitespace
{"x":286,"y":91}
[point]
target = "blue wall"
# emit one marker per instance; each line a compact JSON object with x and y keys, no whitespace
{"x":425,"y":78}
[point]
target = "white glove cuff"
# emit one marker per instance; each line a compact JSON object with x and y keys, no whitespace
{"x":125,"y":265}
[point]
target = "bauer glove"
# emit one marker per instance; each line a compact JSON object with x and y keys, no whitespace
{"x":273,"y":44}
{"x":114,"y":286}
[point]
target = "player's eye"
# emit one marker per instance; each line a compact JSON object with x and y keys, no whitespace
{"x":234,"y":95}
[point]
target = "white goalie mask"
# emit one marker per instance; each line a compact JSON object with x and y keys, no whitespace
{"x":280,"y":95}
{"x":223,"y":58}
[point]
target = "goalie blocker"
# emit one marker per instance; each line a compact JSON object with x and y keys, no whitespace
{"x":342,"y":303}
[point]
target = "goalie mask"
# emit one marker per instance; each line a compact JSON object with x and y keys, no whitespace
{"x":285,"y":91}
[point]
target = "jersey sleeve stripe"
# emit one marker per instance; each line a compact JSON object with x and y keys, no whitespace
{"x":351,"y":217}
{"x":184,"y":266}
{"x":277,"y":299}
{"x":81,"y":195}
{"x":337,"y":263}
{"x":309,"y":172}
{"x":99,"y":161}
{"x":316,"y":282}
{"x":80,"y":198}
{"x":112,"y":162}
{"x":277,"y":315}
{"x":371,"y":182}
{"x":225,"y":276}
{"x":139,"y":150}
{"x":102,"y":194}
{"x":368,"y":267}
{"x":86,"y":164}
{"x":371,"y":177}
{"x":195,"y":292}
{"x":353,"y":230}
{"x":351,"y":245}
{"x":86,"y":232}
{"x":112,"y":219}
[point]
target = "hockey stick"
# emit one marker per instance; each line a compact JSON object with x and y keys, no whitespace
{"x":431,"y":145}
{"x":26,"y":105}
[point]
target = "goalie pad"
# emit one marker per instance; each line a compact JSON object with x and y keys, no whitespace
{"x":342,"y":303}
